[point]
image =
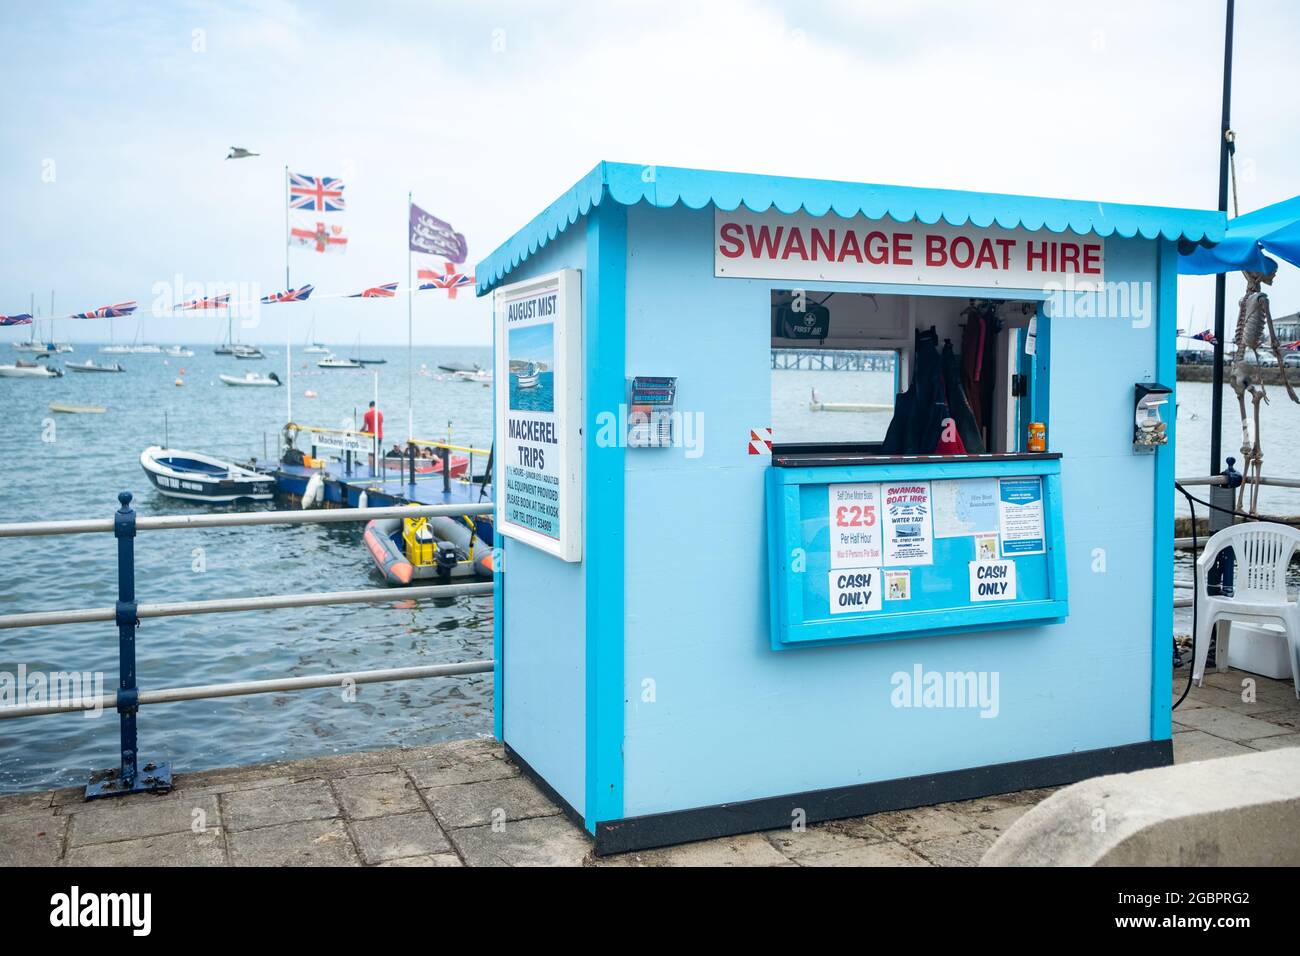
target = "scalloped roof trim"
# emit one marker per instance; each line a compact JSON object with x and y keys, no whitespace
{"x":664,"y":187}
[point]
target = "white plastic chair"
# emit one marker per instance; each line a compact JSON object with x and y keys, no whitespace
{"x":1263,"y":550}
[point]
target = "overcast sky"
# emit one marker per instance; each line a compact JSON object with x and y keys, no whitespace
{"x":117,"y":116}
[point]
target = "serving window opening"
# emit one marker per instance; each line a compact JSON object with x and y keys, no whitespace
{"x":895,"y":375}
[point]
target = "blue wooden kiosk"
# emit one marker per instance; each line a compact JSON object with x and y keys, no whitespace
{"x":721,"y":610}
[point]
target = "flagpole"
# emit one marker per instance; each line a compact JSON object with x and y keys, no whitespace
{"x":287,"y":283}
{"x":410,"y":334}
{"x":288,"y":371}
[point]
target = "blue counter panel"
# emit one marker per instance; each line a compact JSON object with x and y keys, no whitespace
{"x":869,"y":552}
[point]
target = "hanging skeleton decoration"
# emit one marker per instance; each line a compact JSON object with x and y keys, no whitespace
{"x":1253,"y":319}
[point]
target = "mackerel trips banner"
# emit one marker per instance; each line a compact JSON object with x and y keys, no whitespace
{"x":773,"y":245}
{"x":539,"y":411}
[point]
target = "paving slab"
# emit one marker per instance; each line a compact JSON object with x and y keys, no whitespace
{"x":536,"y":841}
{"x":962,"y":849}
{"x":402,"y":835}
{"x":1273,"y":743}
{"x":829,"y":845}
{"x":29,"y":839}
{"x":924,"y":823}
{"x":434,"y":859}
{"x":1229,"y":725}
{"x":307,"y":843}
{"x":990,"y":817}
{"x":475,"y":768}
{"x":477,"y":804}
{"x":1198,"y":745}
{"x":821,"y":847}
{"x":377,"y":795}
{"x":141,"y":815}
{"x":269,"y":806}
{"x":752,"y":849}
{"x":167,"y":849}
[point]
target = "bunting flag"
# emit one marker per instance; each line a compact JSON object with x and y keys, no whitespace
{"x":216,"y":302}
{"x":430,"y":234}
{"x":318,"y":236}
{"x":1292,"y":346}
{"x":24,"y":318}
{"x":108,"y":311}
{"x":385,"y":291}
{"x":451,"y":280}
{"x":288,"y":295}
{"x":1206,"y":336}
{"x":316,"y":193}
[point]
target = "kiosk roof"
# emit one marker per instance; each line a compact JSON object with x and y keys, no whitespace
{"x":665,"y":186}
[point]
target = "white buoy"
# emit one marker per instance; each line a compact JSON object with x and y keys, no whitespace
{"x":314,"y":492}
{"x":363,"y":500}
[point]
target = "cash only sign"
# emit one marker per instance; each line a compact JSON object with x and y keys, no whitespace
{"x":539,"y":413}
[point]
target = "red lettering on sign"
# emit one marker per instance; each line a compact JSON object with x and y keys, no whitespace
{"x":1031,"y":256}
{"x":935,"y":254}
{"x":850,"y":247}
{"x":1069,"y":256}
{"x":765,"y":243}
{"x":730,"y":233}
{"x":1091,"y":259}
{"x":902,"y":248}
{"x":963,"y":252}
{"x":794,"y":245}
{"x":986,"y":256}
{"x":823,"y":244}
{"x":877,"y":248}
{"x":1006,"y":245}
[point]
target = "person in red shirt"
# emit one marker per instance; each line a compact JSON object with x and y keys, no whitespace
{"x":373,"y":422}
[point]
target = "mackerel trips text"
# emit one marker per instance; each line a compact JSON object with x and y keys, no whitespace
{"x":525,"y":309}
{"x":532,"y":430}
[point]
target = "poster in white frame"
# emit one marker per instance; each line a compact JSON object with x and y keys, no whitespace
{"x":538,"y":483}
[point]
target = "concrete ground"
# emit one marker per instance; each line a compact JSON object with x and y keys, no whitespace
{"x":464,"y":804}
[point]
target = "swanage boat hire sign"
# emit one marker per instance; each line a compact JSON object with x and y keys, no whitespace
{"x":539,"y":412}
{"x":774,"y":245}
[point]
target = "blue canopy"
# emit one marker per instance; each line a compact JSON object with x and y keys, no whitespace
{"x":1274,"y":229}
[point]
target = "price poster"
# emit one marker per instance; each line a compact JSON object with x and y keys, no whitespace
{"x":908,"y":536}
{"x":854,"y":525}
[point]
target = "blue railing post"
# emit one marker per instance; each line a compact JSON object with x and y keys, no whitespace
{"x":130,"y":777}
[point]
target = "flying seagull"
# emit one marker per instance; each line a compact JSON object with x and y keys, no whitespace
{"x":238,"y":152}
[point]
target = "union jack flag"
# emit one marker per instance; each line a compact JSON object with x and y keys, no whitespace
{"x":108,"y":311}
{"x":215,"y":302}
{"x":385,"y":291}
{"x":1206,"y":336}
{"x":289,"y":295}
{"x":24,"y":318}
{"x":451,"y":280}
{"x":1289,"y":346}
{"x":319,"y":194}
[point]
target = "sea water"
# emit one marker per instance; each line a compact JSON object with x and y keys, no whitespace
{"x":55,"y":466}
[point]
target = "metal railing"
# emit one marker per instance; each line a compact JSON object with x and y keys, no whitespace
{"x":133,"y":775}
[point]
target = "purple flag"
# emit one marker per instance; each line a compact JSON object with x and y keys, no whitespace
{"x":430,"y":234}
